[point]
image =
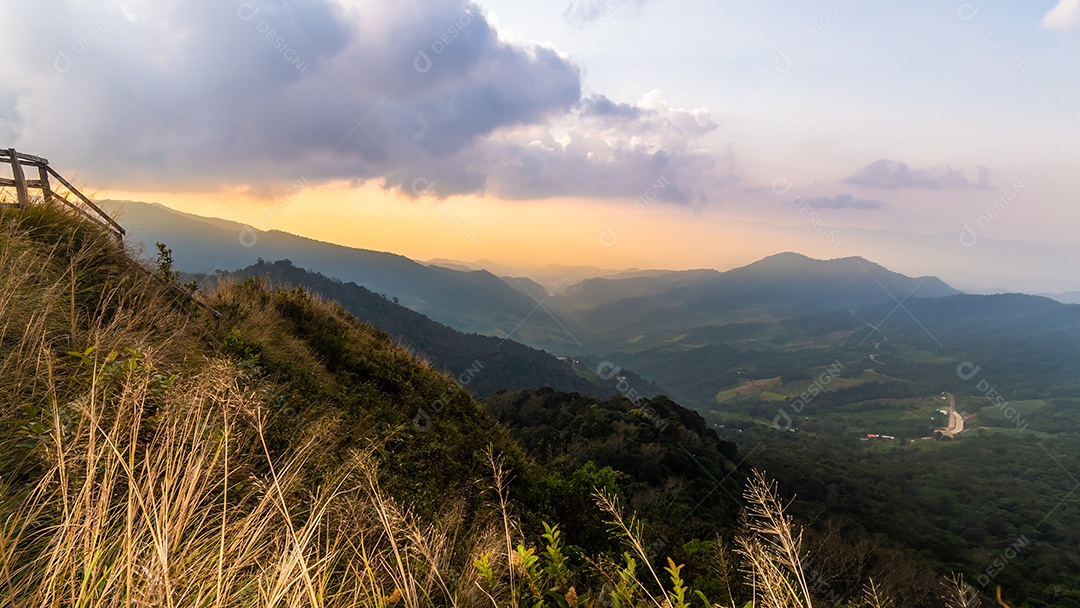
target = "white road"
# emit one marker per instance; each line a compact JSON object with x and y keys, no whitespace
{"x":956,"y":421}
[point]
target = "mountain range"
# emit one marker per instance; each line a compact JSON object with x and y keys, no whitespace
{"x":471,"y":301}
{"x":695,"y":333}
{"x":779,"y":286}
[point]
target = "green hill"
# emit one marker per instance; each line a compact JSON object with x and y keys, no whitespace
{"x":674,"y":470}
{"x":483,"y":364}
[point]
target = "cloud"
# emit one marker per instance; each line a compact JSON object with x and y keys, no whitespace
{"x":201,"y":94}
{"x":600,"y":149}
{"x":587,"y":11}
{"x":895,"y":175}
{"x":1063,"y":16}
{"x":602,"y":106}
{"x":844,"y":201}
{"x":618,"y":150}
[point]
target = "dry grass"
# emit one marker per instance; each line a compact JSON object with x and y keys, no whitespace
{"x":772,"y":549}
{"x":175,"y":501}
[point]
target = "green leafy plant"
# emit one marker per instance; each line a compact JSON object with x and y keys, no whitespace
{"x":165,"y":270}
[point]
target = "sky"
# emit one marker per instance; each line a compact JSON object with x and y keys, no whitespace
{"x":619,"y":133}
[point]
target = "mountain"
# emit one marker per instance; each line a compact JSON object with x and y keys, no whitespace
{"x":527,"y":286}
{"x":482,"y":364}
{"x":470,"y":301}
{"x":779,"y":286}
{"x":553,"y":277}
{"x":1068,"y":297}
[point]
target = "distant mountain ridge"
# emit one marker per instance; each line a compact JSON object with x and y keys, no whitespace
{"x":594,"y":317}
{"x":1068,"y":297}
{"x":471,"y":301}
{"x":553,"y":277}
{"x":779,"y":286}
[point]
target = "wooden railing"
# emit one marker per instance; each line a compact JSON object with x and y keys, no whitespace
{"x":19,"y":162}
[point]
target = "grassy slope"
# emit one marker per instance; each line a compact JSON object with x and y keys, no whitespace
{"x":502,"y":364}
{"x":214,"y":459}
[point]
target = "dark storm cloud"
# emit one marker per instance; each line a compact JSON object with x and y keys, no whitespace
{"x":895,"y":175}
{"x":203,"y":93}
{"x":844,"y":201}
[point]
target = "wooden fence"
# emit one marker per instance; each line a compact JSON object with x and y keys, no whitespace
{"x":20,"y":164}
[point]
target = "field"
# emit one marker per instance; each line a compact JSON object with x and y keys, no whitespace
{"x":775,"y":389}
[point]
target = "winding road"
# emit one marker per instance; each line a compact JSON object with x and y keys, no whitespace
{"x":956,"y":421}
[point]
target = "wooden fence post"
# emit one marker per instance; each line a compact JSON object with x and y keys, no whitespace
{"x":43,"y":177}
{"x":20,"y":179}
